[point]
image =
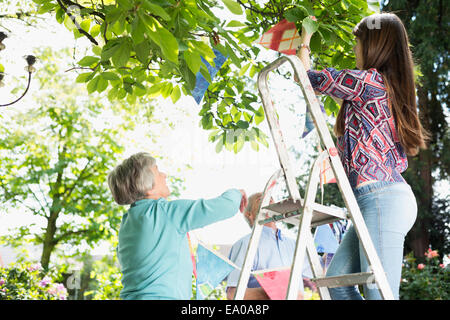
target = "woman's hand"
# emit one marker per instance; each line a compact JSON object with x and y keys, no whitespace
{"x":244,"y":201}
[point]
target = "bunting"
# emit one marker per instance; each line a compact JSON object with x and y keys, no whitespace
{"x":325,"y":240}
{"x":283,"y":37}
{"x":201,"y":84}
{"x":274,"y":283}
{"x":212,"y":268}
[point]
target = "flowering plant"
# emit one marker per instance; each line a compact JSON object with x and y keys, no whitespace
{"x":425,"y":281}
{"x":25,"y":281}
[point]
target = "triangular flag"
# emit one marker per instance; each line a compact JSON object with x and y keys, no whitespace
{"x":309,"y":123}
{"x":339,"y":228}
{"x":201,"y":84}
{"x":274,"y":283}
{"x":327,"y":261}
{"x":325,"y":240}
{"x":326,"y":173}
{"x":283,"y":37}
{"x":211,"y":270}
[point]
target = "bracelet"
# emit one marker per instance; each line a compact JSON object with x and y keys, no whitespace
{"x":304,"y":46}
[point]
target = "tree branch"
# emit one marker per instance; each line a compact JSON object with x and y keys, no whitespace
{"x":92,"y":11}
{"x":79,"y":178}
{"x":66,"y":234}
{"x":36,"y":198}
{"x":91,"y":38}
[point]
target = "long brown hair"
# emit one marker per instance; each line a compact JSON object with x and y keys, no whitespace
{"x":385,"y":47}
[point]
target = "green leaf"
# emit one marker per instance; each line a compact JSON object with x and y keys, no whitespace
{"x":233,"y":6}
{"x":151,"y":27}
{"x":109,"y":76}
{"x":166,"y":90}
{"x":142,"y":51}
{"x":235,"y":24}
{"x":154,"y":90}
{"x":109,"y":50}
{"x":137,"y":30}
{"x":244,"y":69}
{"x":102,"y":84}
{"x":233,"y":56}
{"x":254,"y":145}
{"x":162,"y":37}
{"x":310,"y":25}
{"x":60,"y":15}
{"x":242,"y":124}
{"x":205,"y":51}
{"x":306,"y":8}
{"x":176,"y":94}
{"x":219,"y":145}
{"x":92,"y":85}
{"x":207,"y":121}
{"x":88,"y":61}
{"x":295,"y":14}
{"x":157,"y":10}
{"x":95,"y":30}
{"x":193,"y":60}
{"x":240,"y":143}
{"x":83,"y":77}
{"x":374,"y":6}
{"x":169,"y":45}
{"x":122,"y":54}
{"x":85,"y":25}
{"x":205,"y":73}
{"x":259,"y":115}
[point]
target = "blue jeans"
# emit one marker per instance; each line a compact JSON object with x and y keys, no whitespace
{"x":389,"y":210}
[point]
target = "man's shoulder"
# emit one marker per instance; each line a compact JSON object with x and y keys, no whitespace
{"x":242,"y":241}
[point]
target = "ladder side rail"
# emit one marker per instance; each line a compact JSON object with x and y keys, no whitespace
{"x":316,"y":267}
{"x":342,"y":181}
{"x":275,"y":128}
{"x":304,"y":228}
{"x":254,"y":239}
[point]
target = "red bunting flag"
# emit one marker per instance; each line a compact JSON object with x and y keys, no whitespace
{"x":283,"y":37}
{"x":326,"y":173}
{"x":274,"y":282}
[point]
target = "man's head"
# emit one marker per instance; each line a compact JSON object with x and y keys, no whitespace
{"x":252,"y":209}
{"x":137,"y":178}
{"x":250,"y":212}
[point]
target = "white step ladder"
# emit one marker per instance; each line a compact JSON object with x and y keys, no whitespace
{"x":305,"y":212}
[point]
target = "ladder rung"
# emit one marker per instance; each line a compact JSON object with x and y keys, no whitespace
{"x":345,"y":280}
{"x":290,"y":210}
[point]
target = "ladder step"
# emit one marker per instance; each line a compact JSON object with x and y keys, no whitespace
{"x":345,"y":280}
{"x":291,"y":210}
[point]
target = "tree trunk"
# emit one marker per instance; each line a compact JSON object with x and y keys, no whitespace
{"x":49,"y":243}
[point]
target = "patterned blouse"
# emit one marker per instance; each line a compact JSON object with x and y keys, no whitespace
{"x":370,"y":148}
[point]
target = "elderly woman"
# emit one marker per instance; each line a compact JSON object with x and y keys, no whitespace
{"x":153,"y":248}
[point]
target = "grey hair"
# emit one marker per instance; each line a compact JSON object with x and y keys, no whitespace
{"x":252,"y":201}
{"x":130,"y":180}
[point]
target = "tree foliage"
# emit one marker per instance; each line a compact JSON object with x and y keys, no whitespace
{"x":54,"y":161}
{"x":154,"y":48}
{"x":427,"y":26}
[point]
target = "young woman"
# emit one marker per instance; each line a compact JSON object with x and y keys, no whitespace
{"x":376,"y":127}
